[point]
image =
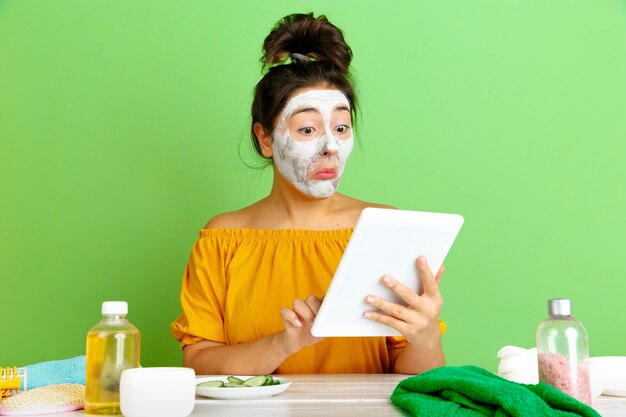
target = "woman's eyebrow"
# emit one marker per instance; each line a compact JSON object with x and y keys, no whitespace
{"x":305,"y":109}
{"x":342,"y":107}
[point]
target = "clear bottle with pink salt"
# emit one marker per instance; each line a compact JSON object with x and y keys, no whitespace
{"x":562,"y":351}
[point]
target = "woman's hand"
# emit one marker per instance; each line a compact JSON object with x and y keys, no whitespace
{"x":298,"y":322}
{"x":263,"y":355}
{"x":418,"y":318}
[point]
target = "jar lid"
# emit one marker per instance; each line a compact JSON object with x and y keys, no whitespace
{"x":560,"y":307}
{"x":115,"y":307}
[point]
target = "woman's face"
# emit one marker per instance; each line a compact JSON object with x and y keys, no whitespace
{"x":313,"y":139}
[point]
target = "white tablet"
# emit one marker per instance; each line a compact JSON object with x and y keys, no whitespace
{"x":384,"y":241}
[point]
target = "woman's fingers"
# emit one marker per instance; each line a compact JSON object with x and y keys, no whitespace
{"x":301,"y":311}
{"x":430,"y":284}
{"x":306,"y":310}
{"x":313,"y":303}
{"x":389,"y":308}
{"x":387,"y":320}
{"x":290,"y":317}
{"x":442,"y":269}
{"x":402,"y":291}
{"x":414,"y":314}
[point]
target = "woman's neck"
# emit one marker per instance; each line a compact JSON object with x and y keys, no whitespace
{"x":301,"y":211}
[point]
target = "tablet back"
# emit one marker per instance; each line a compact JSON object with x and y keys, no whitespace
{"x":384,"y":241}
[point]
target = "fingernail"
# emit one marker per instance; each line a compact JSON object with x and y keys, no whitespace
{"x":369,"y":299}
{"x":367,"y":314}
{"x":298,"y":323}
{"x":387,"y":279}
{"x":422,"y":261}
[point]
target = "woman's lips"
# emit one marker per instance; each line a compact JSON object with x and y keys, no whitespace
{"x":325,"y":174}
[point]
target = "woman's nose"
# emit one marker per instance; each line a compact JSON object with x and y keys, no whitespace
{"x":331,"y":145}
{"x":327,"y":153}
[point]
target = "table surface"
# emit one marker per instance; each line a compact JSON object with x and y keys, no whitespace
{"x":333,"y":395}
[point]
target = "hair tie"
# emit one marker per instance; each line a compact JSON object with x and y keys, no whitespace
{"x":299,"y":57}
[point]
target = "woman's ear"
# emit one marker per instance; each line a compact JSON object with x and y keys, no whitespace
{"x":265,"y":140}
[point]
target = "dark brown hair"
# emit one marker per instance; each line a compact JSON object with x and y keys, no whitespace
{"x":319,"y":55}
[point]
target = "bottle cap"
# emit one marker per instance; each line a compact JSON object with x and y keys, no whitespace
{"x":560,"y":307}
{"x":115,"y":307}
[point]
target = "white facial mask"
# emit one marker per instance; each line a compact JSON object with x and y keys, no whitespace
{"x":296,"y":159}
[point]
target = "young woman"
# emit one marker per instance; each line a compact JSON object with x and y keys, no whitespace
{"x":255,"y":277}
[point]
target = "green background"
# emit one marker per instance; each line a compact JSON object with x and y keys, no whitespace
{"x":121,"y":125}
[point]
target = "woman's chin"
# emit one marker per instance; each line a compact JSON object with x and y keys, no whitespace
{"x":320,"y":188}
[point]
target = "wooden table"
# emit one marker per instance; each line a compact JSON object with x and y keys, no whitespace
{"x":341,"y":395}
{"x":316,"y":396}
{"x":335,"y":395}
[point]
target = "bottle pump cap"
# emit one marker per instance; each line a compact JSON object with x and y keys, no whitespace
{"x":560,"y":307}
{"x":115,"y":307}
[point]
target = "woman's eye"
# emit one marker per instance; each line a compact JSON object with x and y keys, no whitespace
{"x":306,"y":131}
{"x":342,"y":128}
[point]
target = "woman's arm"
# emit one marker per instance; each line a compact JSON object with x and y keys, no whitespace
{"x":417,"y":321}
{"x":415,"y":359}
{"x":261,"y":356}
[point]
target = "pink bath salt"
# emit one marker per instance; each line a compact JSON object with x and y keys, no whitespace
{"x":555,"y":370}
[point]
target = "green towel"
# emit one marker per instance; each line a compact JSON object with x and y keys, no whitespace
{"x":470,"y":391}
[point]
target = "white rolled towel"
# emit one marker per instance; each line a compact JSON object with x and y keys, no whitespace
{"x":518,"y":364}
{"x":607,"y":374}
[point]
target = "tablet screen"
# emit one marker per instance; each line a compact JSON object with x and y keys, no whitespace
{"x":384,"y":241}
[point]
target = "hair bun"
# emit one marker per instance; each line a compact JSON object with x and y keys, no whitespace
{"x":306,"y":36}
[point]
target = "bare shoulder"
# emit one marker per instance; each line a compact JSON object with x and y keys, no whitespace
{"x":223,"y":221}
{"x":238,"y":219}
{"x":349,"y":203}
{"x":350,"y":208}
{"x":376,"y":205}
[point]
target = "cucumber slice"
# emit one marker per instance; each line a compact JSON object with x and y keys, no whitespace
{"x":235,"y":380}
{"x":256,"y":381}
{"x":234,"y":385}
{"x":213,"y":384}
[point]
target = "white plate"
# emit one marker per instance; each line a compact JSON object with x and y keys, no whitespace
{"x":224,"y":393}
